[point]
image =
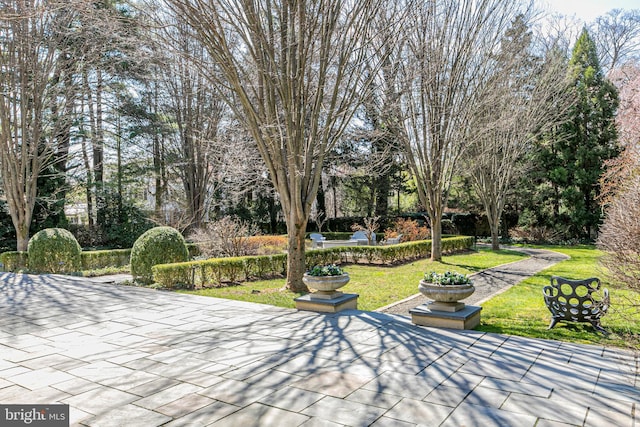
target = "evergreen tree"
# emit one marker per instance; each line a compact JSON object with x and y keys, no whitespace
{"x":590,"y":136}
{"x":571,"y":156}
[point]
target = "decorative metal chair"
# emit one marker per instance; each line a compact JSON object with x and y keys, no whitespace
{"x":576,"y":301}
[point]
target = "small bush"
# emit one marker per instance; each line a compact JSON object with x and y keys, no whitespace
{"x":371,"y":225}
{"x":532,"y":234}
{"x":54,"y":250}
{"x":160,"y":245}
{"x":227,"y":237}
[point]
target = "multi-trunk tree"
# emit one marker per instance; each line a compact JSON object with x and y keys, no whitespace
{"x":32,"y":35}
{"x":525,"y":96}
{"x":448,"y":52}
{"x":293,"y":71}
{"x":199,"y":117}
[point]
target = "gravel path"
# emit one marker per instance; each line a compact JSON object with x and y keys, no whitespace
{"x":492,"y":281}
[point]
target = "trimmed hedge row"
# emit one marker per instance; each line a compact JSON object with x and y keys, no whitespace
{"x":94,"y":260}
{"x":90,"y":260}
{"x":14,"y":261}
{"x":217,"y":271}
{"x":387,"y":255}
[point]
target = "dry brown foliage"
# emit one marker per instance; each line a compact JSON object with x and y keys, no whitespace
{"x":410,"y":230}
{"x":269,"y":245}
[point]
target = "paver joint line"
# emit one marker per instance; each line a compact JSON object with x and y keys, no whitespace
{"x":231,"y":362}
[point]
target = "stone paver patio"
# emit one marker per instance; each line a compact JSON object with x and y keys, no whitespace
{"x":123,"y":356}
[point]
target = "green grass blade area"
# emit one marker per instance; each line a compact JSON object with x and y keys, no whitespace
{"x":521,"y":310}
{"x":377,"y":286}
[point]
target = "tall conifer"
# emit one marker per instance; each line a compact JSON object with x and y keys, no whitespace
{"x":590,"y":136}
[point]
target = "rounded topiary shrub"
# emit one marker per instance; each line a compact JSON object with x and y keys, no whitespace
{"x":54,"y":250}
{"x":160,"y":245}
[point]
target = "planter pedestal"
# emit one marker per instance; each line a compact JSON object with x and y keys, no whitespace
{"x":446,"y":311}
{"x":449,"y":307}
{"x":323,"y":304}
{"x":326,"y":298}
{"x":428,"y":315}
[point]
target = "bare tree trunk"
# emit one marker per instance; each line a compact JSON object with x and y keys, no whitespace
{"x":157,"y":176}
{"x":64,"y":138}
{"x":381,"y":188}
{"x":436,"y":237}
{"x":495,"y":235}
{"x":98,"y":152}
{"x":89,"y":170}
{"x":296,"y":259}
{"x":22,"y":238}
{"x":334,"y":192}
{"x":89,"y":183}
{"x":157,"y":152}
{"x":119,"y":172}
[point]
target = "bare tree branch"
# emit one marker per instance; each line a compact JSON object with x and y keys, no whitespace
{"x":30,"y":43}
{"x":295,"y":72}
{"x":449,"y":44}
{"x":524,"y":97}
{"x":617,"y":36}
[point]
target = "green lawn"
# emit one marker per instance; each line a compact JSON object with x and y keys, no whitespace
{"x":521,"y":309}
{"x":377,"y":286}
{"x":518,"y":311}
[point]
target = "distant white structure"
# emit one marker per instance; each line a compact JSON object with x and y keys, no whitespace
{"x":76,"y":213}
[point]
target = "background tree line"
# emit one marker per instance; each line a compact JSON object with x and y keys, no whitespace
{"x":180,"y":112}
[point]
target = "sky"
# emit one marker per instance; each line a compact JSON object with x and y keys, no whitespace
{"x":588,"y":10}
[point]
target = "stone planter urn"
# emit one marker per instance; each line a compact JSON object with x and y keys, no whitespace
{"x":446,"y":297}
{"x":445,"y":310}
{"x":326,"y":286}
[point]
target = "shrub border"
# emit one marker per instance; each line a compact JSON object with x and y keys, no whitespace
{"x":15,"y":261}
{"x":217,"y":271}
